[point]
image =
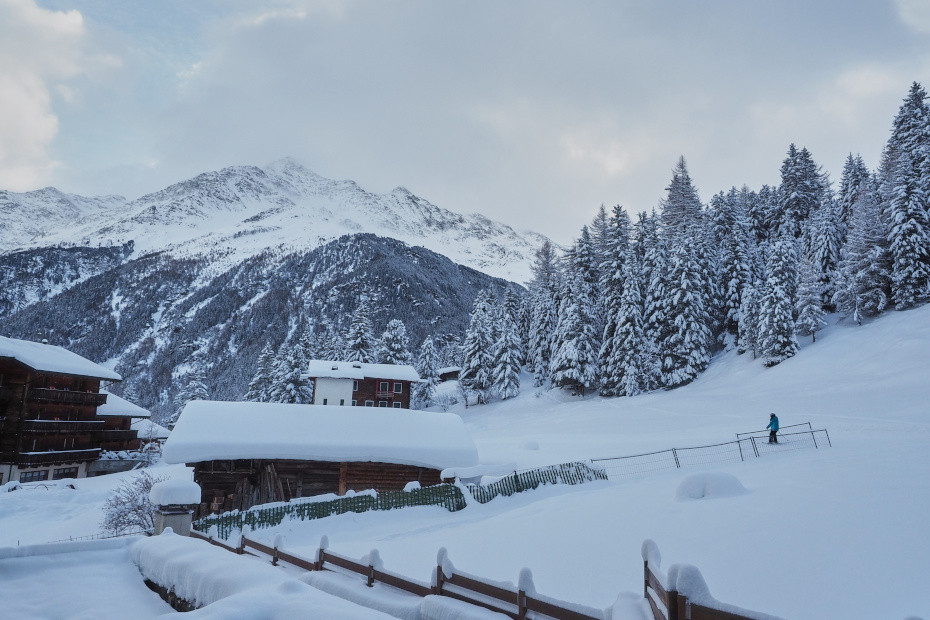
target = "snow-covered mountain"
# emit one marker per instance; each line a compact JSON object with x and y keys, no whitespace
{"x":240,"y":211}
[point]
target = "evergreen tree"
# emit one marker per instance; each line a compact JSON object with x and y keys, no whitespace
{"x":394,"y":343}
{"x":261,"y":381}
{"x":908,"y":202}
{"x":290,"y":384}
{"x":685,"y":345}
{"x":733,"y":238}
{"x":776,"y":309}
{"x":475,"y":377}
{"x":507,"y":362}
{"x":656,"y":318}
{"x":810,"y":312}
{"x":800,"y":193}
{"x":824,"y":256}
{"x":360,"y":343}
{"x":748,"y":338}
{"x":613,"y":273}
{"x":855,"y":175}
{"x":864,"y":281}
{"x":195,"y":388}
{"x":574,"y":362}
{"x":543,"y":288}
{"x":681,"y":207}
{"x":628,"y":362}
{"x":427,"y":366}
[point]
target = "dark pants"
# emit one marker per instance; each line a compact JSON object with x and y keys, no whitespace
{"x":773,"y":438}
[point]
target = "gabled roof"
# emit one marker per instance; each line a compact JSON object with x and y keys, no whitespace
{"x":116,"y":406}
{"x":358,"y":370}
{"x":149,"y":430}
{"x":49,"y":358}
{"x":213,"y":430}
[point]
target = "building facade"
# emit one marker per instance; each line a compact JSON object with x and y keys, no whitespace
{"x":49,"y":428}
{"x":362,"y":385}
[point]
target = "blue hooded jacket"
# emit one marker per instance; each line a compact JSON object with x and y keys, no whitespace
{"x":773,"y":423}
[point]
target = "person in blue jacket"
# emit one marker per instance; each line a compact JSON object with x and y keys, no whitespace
{"x":773,"y":425}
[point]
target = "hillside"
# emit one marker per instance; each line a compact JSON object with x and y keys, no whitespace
{"x":830,"y":533}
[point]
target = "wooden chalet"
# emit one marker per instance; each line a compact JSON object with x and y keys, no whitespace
{"x":118,"y":436}
{"x":246,"y":453}
{"x":362,"y":385}
{"x":49,"y":397}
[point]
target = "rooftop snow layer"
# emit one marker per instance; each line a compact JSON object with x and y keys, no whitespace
{"x":168,"y":492}
{"x":358,"y":370}
{"x":214,"y":430}
{"x":49,"y":358}
{"x":117,"y":406}
{"x":146,"y":429}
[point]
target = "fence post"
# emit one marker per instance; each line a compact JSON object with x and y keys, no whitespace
{"x":274,"y":556}
{"x":645,"y":578}
{"x":675,"y":454}
{"x":755,"y":448}
{"x":371,"y":576}
{"x":516,"y":483}
{"x":830,"y":443}
{"x":739,"y":444}
{"x":521,"y":604}
{"x":440,"y":578}
{"x":241,"y":548}
{"x":814,"y":437}
{"x":319,"y":558}
{"x":673,"y":605}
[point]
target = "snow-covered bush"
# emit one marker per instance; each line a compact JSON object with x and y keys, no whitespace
{"x":129,"y":507}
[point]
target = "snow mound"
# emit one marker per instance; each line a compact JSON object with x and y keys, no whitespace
{"x":709,"y":486}
{"x":175,"y":492}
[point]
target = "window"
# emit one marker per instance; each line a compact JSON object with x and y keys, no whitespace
{"x":33,"y":476}
{"x":324,"y":400}
{"x":354,"y":403}
{"x":342,"y":401}
{"x":383,"y":386}
{"x":369,"y":403}
{"x":355,"y":385}
{"x":382,"y":403}
{"x":65,"y":472}
{"x":397,"y":405}
{"x":398,"y":388}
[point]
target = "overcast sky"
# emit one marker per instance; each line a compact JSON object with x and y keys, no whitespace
{"x":531,"y":112}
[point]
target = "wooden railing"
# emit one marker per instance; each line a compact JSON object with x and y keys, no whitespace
{"x":62,"y":426}
{"x":515,"y":603}
{"x":67,"y":396}
{"x":57,"y":456}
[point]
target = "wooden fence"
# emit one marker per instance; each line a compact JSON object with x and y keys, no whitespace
{"x":513,"y":602}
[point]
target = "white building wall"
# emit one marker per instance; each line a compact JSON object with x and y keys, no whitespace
{"x":333,"y":391}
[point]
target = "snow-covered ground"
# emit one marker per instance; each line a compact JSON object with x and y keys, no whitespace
{"x":829,"y":533}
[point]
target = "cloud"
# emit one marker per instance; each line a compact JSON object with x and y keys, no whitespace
{"x":39,"y":51}
{"x":915,"y":14}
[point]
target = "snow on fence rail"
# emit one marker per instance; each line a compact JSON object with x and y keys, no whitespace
{"x":505,"y":598}
{"x":753,"y":446}
{"x":447,"y":495}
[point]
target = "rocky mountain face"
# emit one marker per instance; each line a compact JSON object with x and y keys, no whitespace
{"x":205,"y":273}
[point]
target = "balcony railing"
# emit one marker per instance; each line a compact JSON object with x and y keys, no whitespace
{"x":380,"y":394}
{"x":62,"y":426}
{"x":49,"y":395}
{"x":116,"y":435}
{"x":57,"y":456}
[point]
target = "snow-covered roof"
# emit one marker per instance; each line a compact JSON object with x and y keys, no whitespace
{"x":213,"y":430}
{"x":117,"y":406}
{"x":168,"y":492}
{"x":358,"y":370}
{"x":149,"y":430}
{"x":49,"y":358}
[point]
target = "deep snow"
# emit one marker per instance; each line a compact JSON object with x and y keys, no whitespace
{"x":835,"y":532}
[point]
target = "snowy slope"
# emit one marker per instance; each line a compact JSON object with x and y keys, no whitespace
{"x":838,"y":532}
{"x":240,"y":211}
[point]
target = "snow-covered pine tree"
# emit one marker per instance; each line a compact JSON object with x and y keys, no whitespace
{"x":360,"y":342}
{"x":574,"y":363}
{"x":652,"y":253}
{"x":290,"y":385}
{"x":824,"y":255}
{"x":748,"y":337}
{"x":800,"y":193}
{"x":475,"y":377}
{"x":506,"y":376}
{"x":515,"y":311}
{"x":264,"y":374}
{"x":685,"y":345}
{"x":811,"y":317}
{"x":733,"y":238}
{"x":195,"y":388}
{"x":777,"y":336}
{"x":908,"y":204}
{"x":864,"y":277}
{"x":681,"y":208}
{"x":394,"y":344}
{"x":616,"y":249}
{"x":543,"y":309}
{"x":855,"y":175}
{"x":427,"y":366}
{"x":628,"y":360}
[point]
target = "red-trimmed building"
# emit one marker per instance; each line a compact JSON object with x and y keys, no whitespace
{"x":49,"y":397}
{"x":362,"y":385}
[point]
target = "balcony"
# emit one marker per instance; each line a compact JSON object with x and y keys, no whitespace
{"x":380,"y":394}
{"x":57,"y":456}
{"x":48,"y":395}
{"x":116,"y":435}
{"x":8,"y":395}
{"x":62,"y":426}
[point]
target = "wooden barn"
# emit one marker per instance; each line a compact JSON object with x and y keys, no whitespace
{"x":246,"y":453}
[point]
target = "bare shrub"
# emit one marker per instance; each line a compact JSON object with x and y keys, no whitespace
{"x":129,"y":509}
